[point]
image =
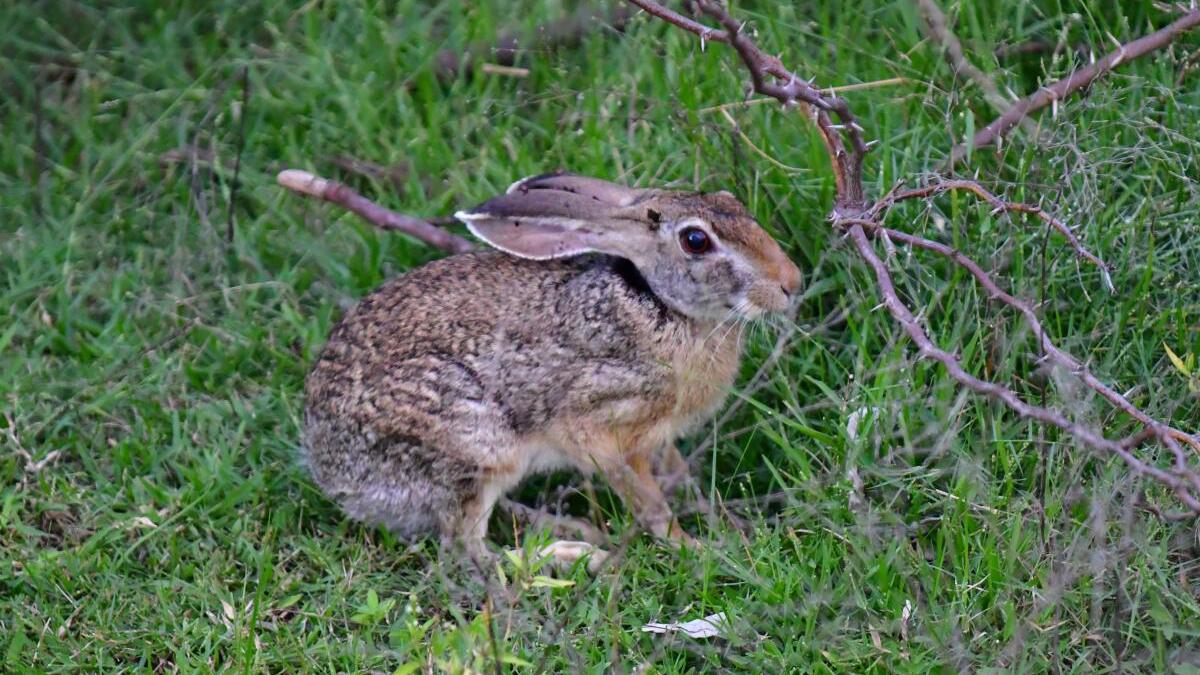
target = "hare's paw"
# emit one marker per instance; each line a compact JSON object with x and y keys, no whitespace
{"x":564,"y":554}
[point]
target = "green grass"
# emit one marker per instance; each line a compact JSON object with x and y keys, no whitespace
{"x":158,"y":367}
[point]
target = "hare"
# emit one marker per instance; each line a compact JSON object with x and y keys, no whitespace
{"x":605,"y":326}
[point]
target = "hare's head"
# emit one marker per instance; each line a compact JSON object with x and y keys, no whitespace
{"x":701,"y":254}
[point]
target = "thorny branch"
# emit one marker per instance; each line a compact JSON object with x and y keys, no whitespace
{"x":772,"y":79}
{"x":880,"y":208}
{"x":862,"y":221}
{"x":1072,"y":83}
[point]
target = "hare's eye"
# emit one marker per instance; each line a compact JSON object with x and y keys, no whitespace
{"x":695,"y":240}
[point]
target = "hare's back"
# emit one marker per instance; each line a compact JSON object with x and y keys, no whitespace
{"x":426,"y":326}
{"x":448,"y":306}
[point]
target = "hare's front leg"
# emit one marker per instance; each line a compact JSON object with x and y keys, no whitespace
{"x":672,"y":469}
{"x":634,"y":478}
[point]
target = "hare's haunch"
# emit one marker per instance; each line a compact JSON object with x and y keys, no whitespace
{"x":607,"y":324}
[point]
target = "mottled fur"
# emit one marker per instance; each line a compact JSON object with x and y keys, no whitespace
{"x":447,"y":386}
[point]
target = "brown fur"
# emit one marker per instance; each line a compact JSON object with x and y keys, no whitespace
{"x":447,"y":386}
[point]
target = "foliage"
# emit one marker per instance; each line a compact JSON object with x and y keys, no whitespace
{"x":153,"y":514}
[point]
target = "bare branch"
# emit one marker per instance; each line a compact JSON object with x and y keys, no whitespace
{"x":879,"y":209}
{"x":1184,"y":484}
{"x":771,"y":78}
{"x":333,"y":191}
{"x":1155,"y":429}
{"x":852,"y":214}
{"x":1076,"y":81}
{"x":676,"y":19}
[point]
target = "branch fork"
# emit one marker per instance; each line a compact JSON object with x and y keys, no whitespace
{"x":862,"y":221}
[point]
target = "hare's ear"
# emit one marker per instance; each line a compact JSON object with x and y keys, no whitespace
{"x":561,"y":215}
{"x":602,"y":191}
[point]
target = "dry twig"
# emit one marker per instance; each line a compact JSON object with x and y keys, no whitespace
{"x":1074,"y":82}
{"x":333,"y":191}
{"x":843,"y":138}
{"x":880,"y":208}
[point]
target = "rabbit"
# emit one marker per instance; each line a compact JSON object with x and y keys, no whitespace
{"x":605,"y":325}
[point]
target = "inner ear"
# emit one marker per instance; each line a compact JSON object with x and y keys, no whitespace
{"x":546,"y":220}
{"x":535,"y":238}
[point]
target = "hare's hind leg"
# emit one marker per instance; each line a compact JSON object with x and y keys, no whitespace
{"x":672,"y":470}
{"x":563,"y":554}
{"x":464,"y":526}
{"x":559,"y":526}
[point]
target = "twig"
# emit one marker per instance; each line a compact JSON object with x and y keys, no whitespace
{"x":1074,"y":82}
{"x":1053,"y":354}
{"x":880,"y":207}
{"x":333,"y":191}
{"x":1187,"y":490}
{"x":772,"y":79}
{"x":940,"y":33}
{"x":828,"y":91}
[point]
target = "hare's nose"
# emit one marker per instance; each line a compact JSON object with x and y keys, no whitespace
{"x":790,"y":280}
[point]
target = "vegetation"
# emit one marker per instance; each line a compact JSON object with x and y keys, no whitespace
{"x":152,"y":511}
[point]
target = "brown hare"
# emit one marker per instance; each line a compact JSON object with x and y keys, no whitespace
{"x":599,"y":332}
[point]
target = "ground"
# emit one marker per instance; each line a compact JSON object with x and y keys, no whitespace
{"x":161,"y":299}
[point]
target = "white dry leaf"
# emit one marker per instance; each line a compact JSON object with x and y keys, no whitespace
{"x":710,"y":626}
{"x":906,"y":614}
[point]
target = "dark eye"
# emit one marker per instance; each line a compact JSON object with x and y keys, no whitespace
{"x":695,"y":240}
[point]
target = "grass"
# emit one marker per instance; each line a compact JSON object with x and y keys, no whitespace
{"x":153,"y":515}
